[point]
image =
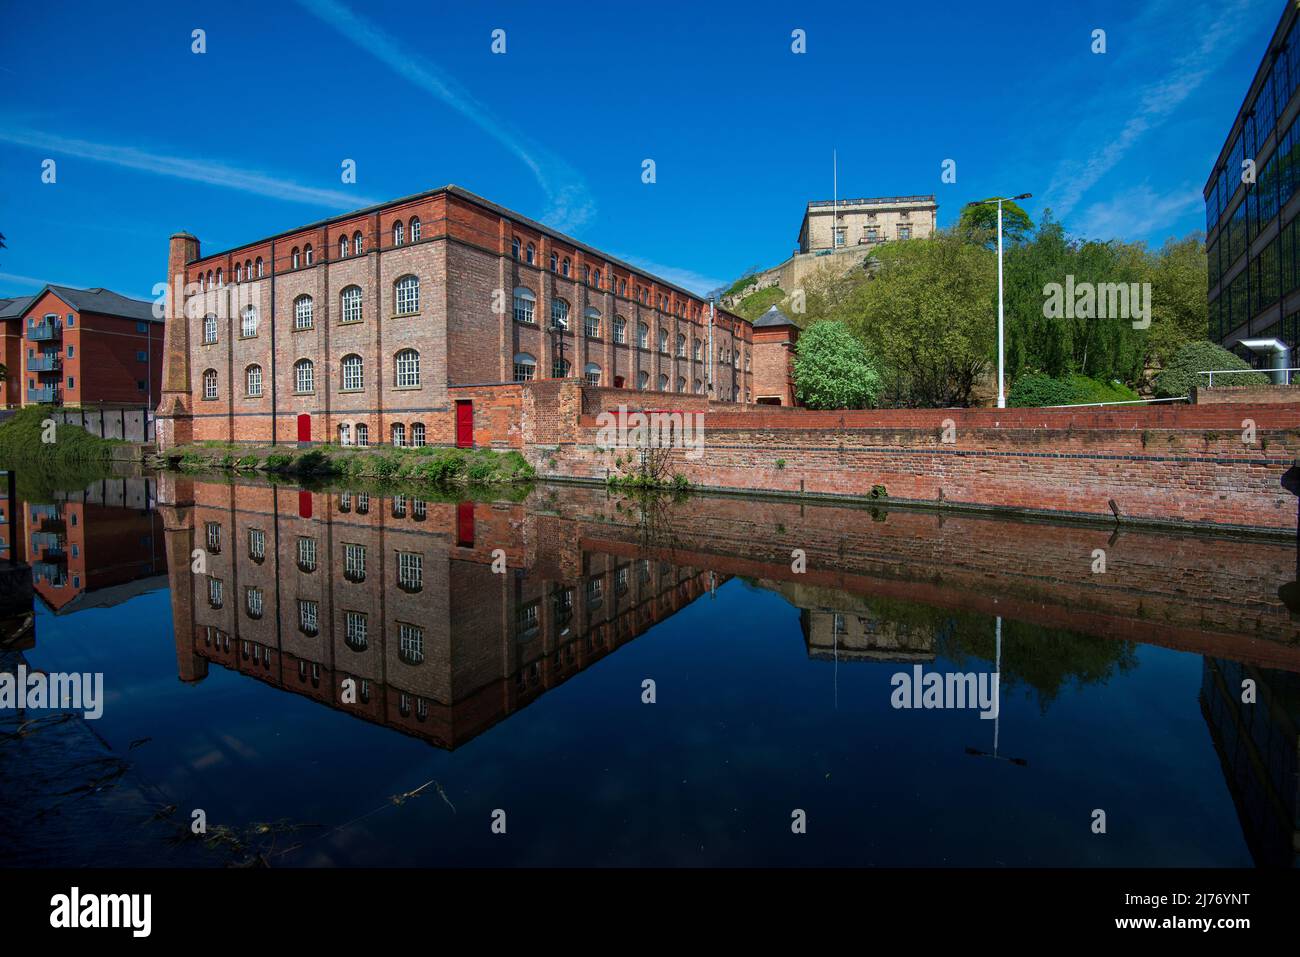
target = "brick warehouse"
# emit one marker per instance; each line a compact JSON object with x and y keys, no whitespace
{"x":360,"y":328}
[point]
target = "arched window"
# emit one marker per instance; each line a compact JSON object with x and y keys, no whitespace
{"x":220,"y":281}
{"x":209,"y":328}
{"x":555,"y":262}
{"x":559,"y":314}
{"x":307,"y":254}
{"x":345,"y":434}
{"x":210,"y":384}
{"x":210,"y":286}
{"x":663,"y":340}
{"x":248,"y":322}
{"x":530,"y":254}
{"x":643,"y":335}
{"x":681,"y":346}
{"x":248,"y":270}
{"x":399,"y":233}
{"x":363,"y":434}
{"x":407,"y":295}
{"x":699,"y":387}
{"x":681,"y":383}
{"x":565,"y":268}
{"x":514,"y":247}
{"x":293,"y":257}
{"x":358,"y":244}
{"x":343,"y":247}
{"x":350,"y":300}
{"x":408,"y":368}
{"x":591,"y":323}
{"x":525,"y":367}
{"x":663,"y":383}
{"x":253,"y":381}
{"x":586,"y":274}
{"x":595,"y":279}
{"x":259,"y":267}
{"x":239,"y":273}
{"x":304,"y":376}
{"x":643,"y":379}
{"x":560,"y":368}
{"x":695,"y":350}
{"x":622,"y":287}
{"x":303,"y":316}
{"x":351,"y":373}
{"x":620,"y":329}
{"x":524,"y":302}
{"x":592,"y":374}
{"x":417,"y":435}
{"x":415,"y":229}
{"x":399,"y":434}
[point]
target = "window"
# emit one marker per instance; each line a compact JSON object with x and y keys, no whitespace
{"x":141,"y":355}
{"x":210,"y":384}
{"x":358,"y":244}
{"x":408,"y":369}
{"x":514,"y":247}
{"x":560,"y":368}
{"x":695,"y":350}
{"x":408,"y":295}
{"x":620,"y":329}
{"x":256,"y":544}
{"x":410,"y":644}
{"x":214,"y":537}
{"x":308,"y":616}
{"x":528,"y":621}
{"x":643,"y":335}
{"x":663,"y":383}
{"x":71,"y":351}
{"x":681,"y":346}
{"x":699,"y":387}
{"x":253,"y":381}
{"x":253,"y":602}
{"x":595,"y":279}
{"x":248,"y":322}
{"x":904,"y":232}
{"x":71,"y":381}
{"x":343,"y":247}
{"x":531,"y":254}
{"x":293,"y":257}
{"x":524,"y":301}
{"x":555,"y":263}
{"x":592,"y":374}
{"x":643,"y":380}
{"x":415,"y":229}
{"x":259,"y":267}
{"x":216,"y":592}
{"x":355,"y":630}
{"x":399,"y":233}
{"x":239,"y":273}
{"x":559,"y":314}
{"x":354,"y":563}
{"x":417,"y":435}
{"x":345,"y":438}
{"x":307,"y":254}
{"x":663,"y":341}
{"x":410,"y":571}
{"x":564,"y":269}
{"x":622,"y":287}
{"x":681,"y":383}
{"x":591,"y":324}
{"x":586,"y":275}
{"x":209,"y":329}
{"x":302,"y":313}
{"x":304,"y":377}
{"x":350,"y":299}
{"x":351,"y":369}
{"x":220,"y":281}
{"x":525,"y":367}
{"x":363,"y":434}
{"x":399,"y":434}
{"x":307,"y":554}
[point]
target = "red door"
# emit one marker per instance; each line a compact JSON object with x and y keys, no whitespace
{"x":464,"y":424}
{"x":304,"y":428}
{"x":465,"y":524}
{"x":304,"y":504}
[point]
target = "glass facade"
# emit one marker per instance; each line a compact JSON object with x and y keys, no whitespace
{"x":1245,"y":286}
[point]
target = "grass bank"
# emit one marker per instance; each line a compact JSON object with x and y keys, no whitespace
{"x":437,"y":465}
{"x":58,"y":457}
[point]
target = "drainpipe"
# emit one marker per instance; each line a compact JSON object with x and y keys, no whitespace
{"x":708,"y":366}
{"x":274,"y":378}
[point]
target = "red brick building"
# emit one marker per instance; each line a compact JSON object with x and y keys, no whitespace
{"x":355,"y":328}
{"x":775,"y":336}
{"x":80,"y":347}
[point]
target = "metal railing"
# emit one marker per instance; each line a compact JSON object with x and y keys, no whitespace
{"x":870,"y":201}
{"x":1286,"y":374}
{"x":42,"y":331}
{"x":51,"y":363}
{"x":47,"y":393}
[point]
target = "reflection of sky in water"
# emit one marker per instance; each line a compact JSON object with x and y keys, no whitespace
{"x":747,"y":727}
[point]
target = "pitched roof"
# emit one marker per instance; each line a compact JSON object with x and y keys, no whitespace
{"x":103,"y":301}
{"x":14,"y":307}
{"x":774,"y":317}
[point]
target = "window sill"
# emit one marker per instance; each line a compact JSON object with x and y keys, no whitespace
{"x":350,"y":322}
{"x":405,"y":315}
{"x":312,"y":392}
{"x":304,"y":328}
{"x":407,"y":388}
{"x":351,"y":391}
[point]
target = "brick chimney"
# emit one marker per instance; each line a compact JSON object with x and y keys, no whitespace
{"x":175,"y":415}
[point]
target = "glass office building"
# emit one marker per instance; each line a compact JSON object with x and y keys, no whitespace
{"x":1252,"y":228}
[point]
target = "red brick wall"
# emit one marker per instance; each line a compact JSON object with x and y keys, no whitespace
{"x":1248,"y":394}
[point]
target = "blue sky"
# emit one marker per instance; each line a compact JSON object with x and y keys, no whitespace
{"x":247,"y":139}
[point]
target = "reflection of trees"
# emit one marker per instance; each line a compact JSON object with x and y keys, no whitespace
{"x":1045,"y":660}
{"x":655,"y":514}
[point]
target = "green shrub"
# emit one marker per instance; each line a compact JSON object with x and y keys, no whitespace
{"x":1039,"y":389}
{"x":1178,"y":378}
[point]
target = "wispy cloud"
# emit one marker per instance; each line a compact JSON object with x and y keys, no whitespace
{"x":1137,"y":213}
{"x":691,"y":281}
{"x":569,"y":205}
{"x":1219,"y":27}
{"x":186,"y":168}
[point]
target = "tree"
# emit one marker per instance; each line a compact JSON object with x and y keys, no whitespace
{"x":928,"y":317}
{"x":980,"y":223}
{"x":832,"y":369}
{"x":1181,"y":374}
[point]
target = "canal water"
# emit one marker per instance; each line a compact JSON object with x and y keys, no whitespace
{"x":353,"y":676}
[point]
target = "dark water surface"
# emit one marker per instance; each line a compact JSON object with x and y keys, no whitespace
{"x":522,"y":691}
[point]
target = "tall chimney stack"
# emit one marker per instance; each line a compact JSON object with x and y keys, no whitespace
{"x":175,"y":424}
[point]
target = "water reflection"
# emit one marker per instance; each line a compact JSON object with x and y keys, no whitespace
{"x":449,"y":618}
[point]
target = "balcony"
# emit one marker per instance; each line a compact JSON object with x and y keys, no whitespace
{"x":44,"y":331}
{"x":43,"y":393}
{"x":46,"y":363}
{"x":50,"y":541}
{"x":55,"y":574}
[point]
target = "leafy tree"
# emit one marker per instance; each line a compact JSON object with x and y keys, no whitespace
{"x":928,"y":317}
{"x":1178,"y":377}
{"x":1179,"y":309}
{"x":832,"y":369}
{"x":980,"y":223}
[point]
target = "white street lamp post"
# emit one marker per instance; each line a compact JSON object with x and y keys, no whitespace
{"x":1002,"y":380}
